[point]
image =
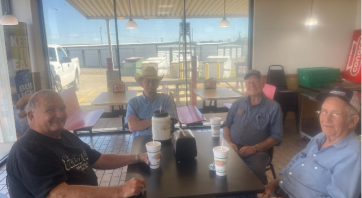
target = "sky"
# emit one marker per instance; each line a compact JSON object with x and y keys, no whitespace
{"x":65,"y":25}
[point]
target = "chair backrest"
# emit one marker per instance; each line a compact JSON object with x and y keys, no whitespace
{"x":276,"y":77}
{"x":70,"y":100}
{"x":189,"y":114}
{"x":269,"y":91}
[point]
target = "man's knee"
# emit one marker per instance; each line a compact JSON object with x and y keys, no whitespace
{"x":258,"y":160}
{"x":257,"y":164}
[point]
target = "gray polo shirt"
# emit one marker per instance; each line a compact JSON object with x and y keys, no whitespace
{"x":250,"y":125}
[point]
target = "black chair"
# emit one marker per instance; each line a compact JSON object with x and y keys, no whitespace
{"x":270,"y":166}
{"x":276,"y":77}
{"x":287,"y":99}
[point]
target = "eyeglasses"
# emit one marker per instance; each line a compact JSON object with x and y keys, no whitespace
{"x":254,"y":82}
{"x":324,"y":113}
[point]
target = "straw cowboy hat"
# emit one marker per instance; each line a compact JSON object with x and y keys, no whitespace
{"x":148,"y":73}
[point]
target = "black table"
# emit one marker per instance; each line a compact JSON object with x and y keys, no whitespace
{"x":192,"y":177}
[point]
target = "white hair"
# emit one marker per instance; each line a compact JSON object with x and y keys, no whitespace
{"x":350,"y":111}
{"x":34,"y":103}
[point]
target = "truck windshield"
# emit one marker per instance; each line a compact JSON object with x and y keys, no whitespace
{"x":51,"y":53}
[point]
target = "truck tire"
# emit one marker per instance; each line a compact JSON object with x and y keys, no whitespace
{"x":58,"y":85}
{"x":75,"y":83}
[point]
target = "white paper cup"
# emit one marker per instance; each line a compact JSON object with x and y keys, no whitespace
{"x":154,"y":154}
{"x":221,"y":154}
{"x":215,"y":130}
{"x":215,"y":120}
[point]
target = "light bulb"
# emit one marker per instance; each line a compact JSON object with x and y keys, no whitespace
{"x":131,"y":24}
{"x":224,"y":23}
{"x":311,"y":21}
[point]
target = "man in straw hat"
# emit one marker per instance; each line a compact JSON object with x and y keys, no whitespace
{"x":141,"y":108}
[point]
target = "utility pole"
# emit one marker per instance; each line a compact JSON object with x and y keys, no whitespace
{"x":100,"y":31}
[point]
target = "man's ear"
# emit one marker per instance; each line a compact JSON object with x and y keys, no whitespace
{"x":263,"y":82}
{"x":30,"y":115}
{"x":353,"y":122}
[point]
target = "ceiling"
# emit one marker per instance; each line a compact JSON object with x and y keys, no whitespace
{"x":158,"y":9}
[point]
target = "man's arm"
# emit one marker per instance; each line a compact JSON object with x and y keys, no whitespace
{"x":136,"y":124}
{"x":131,"y":188}
{"x":246,"y":151}
{"x":226,"y":133}
{"x":346,"y":178}
{"x":227,"y":125}
{"x":113,"y":161}
{"x":171,"y":108}
{"x":133,"y":122}
{"x":269,"y":188}
{"x":267,"y":144}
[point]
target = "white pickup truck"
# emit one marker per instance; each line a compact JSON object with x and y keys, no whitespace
{"x":65,"y":70}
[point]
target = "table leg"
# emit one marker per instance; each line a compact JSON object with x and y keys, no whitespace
{"x":178,"y":94}
{"x":215,"y":105}
{"x":123,"y":115}
{"x":300,"y":115}
{"x":203,"y":104}
{"x":112,"y":110}
{"x":242,"y":87}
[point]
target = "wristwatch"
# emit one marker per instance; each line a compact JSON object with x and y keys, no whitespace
{"x":256,"y":148}
{"x":136,"y":157}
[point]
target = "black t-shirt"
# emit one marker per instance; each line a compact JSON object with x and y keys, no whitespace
{"x":38,"y":163}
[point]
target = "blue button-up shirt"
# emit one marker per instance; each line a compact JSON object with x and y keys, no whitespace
{"x":334,"y":171}
{"x":250,"y":125}
{"x":143,"y":108}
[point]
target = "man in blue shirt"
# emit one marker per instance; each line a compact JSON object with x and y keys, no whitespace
{"x":253,"y":125}
{"x":141,"y":108}
{"x":330,"y":165}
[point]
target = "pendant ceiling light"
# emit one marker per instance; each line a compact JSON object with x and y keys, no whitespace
{"x":131,"y":24}
{"x":311,"y":20}
{"x":8,"y":19}
{"x":224,"y":22}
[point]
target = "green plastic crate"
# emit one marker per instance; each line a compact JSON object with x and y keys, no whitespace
{"x":317,"y":76}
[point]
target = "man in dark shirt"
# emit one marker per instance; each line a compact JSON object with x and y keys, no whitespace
{"x":49,"y":161}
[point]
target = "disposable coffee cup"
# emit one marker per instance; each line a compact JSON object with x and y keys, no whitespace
{"x":221,"y":154}
{"x":215,"y":120}
{"x":215,"y":126}
{"x":154,"y":154}
{"x":215,"y":130}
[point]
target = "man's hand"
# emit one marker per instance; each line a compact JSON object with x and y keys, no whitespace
{"x":20,"y":104}
{"x":133,"y":118}
{"x":246,"y":151}
{"x":235,"y":147}
{"x":133,"y":187}
{"x":269,"y":188}
{"x":143,"y":157}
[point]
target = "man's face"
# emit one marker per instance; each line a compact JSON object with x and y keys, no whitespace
{"x":254,"y":85}
{"x":333,"y":117}
{"x":50,"y":115}
{"x":150,"y":85}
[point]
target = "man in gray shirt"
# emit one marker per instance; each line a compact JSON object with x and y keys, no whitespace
{"x":253,"y":125}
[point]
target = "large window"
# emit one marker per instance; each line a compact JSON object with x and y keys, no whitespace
{"x":86,"y":31}
{"x":7,"y":124}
